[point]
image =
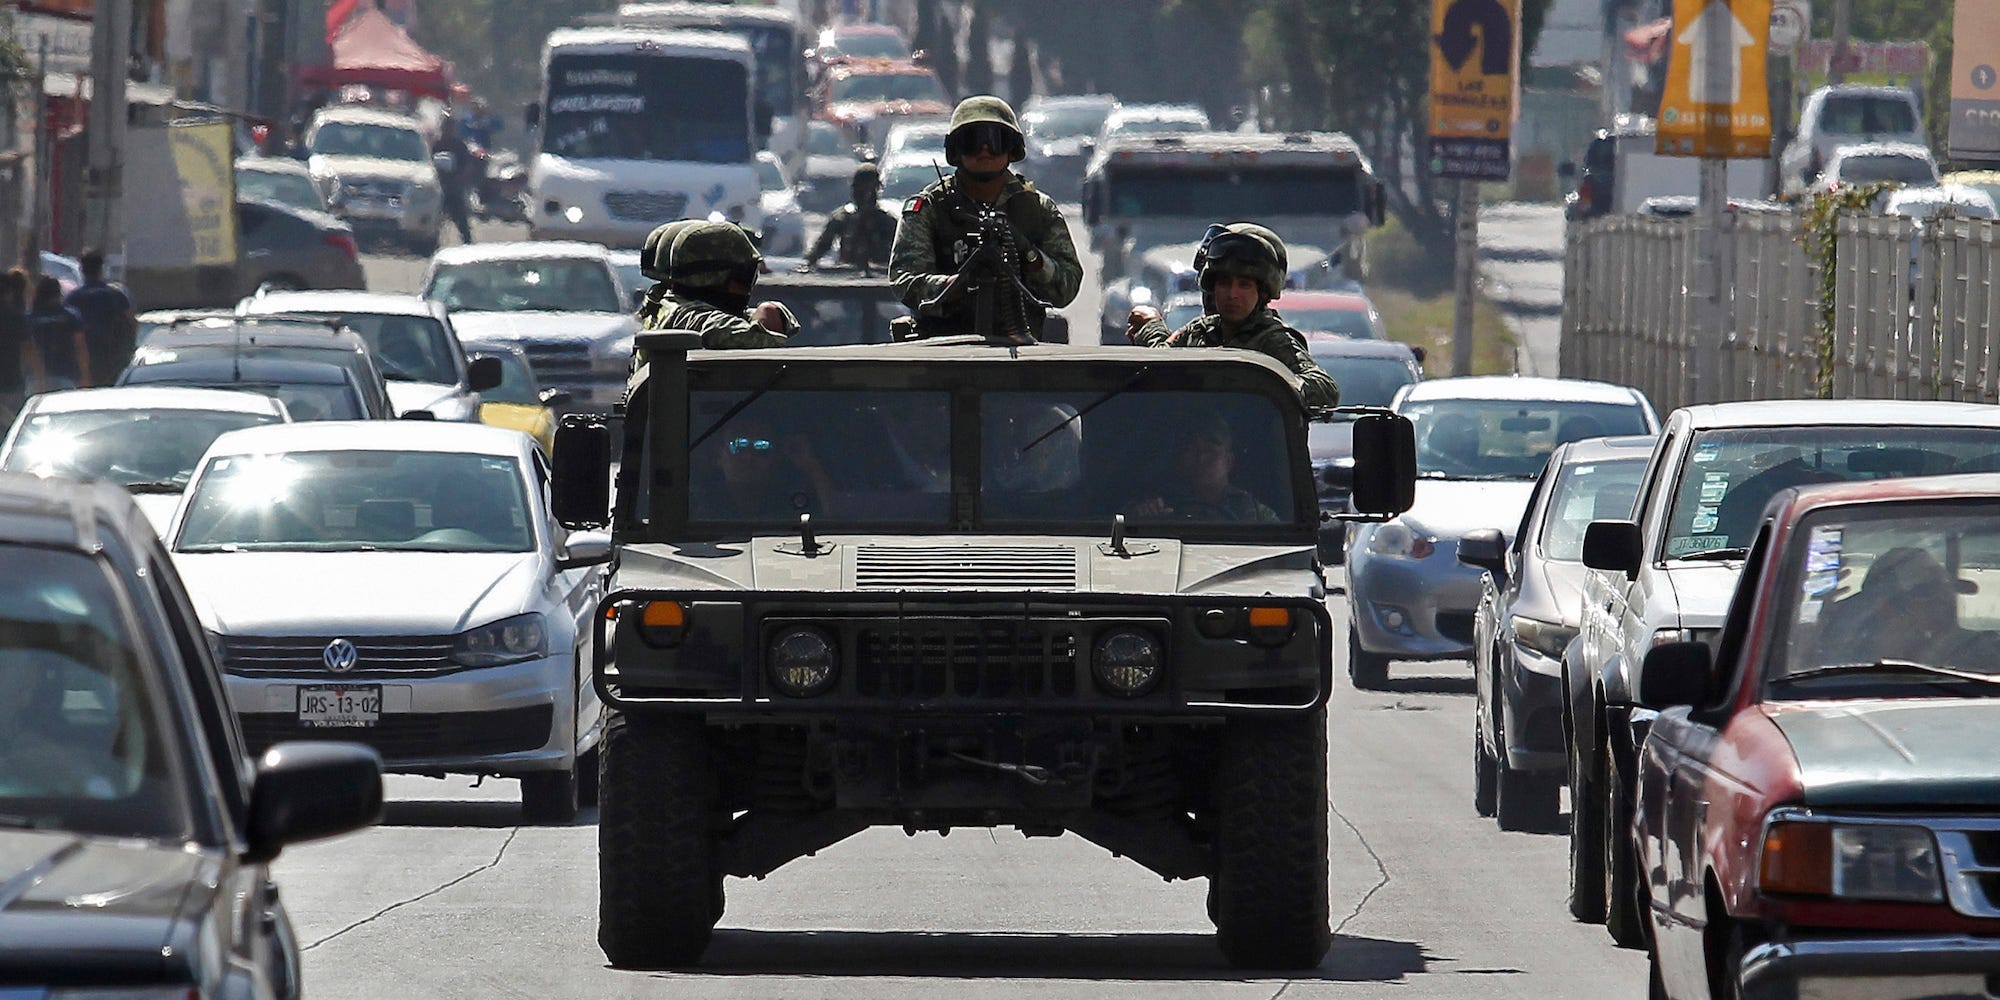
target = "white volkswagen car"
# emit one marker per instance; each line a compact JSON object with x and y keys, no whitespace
{"x":147,"y":439}
{"x":562,"y":302}
{"x":411,"y":339}
{"x":400,"y":584}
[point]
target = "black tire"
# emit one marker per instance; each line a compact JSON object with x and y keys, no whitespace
{"x":1484,"y":777}
{"x":1367,"y":671}
{"x":550,"y":796}
{"x":1623,"y":919}
{"x":587,"y":768}
{"x":1586,"y":841}
{"x":1268,"y":894}
{"x":658,"y":891}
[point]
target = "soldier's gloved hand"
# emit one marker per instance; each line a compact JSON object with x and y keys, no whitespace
{"x":1139,"y":317}
{"x":771,"y":316}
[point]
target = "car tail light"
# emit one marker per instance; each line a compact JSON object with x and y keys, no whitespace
{"x":344,"y":242}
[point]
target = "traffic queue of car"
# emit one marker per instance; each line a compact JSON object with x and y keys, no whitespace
{"x":1749,"y":643}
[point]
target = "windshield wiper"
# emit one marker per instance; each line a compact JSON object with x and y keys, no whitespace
{"x":1714,"y":555}
{"x":741,"y":405}
{"x":1130,"y":381}
{"x":157,"y":486}
{"x":1886,"y":666}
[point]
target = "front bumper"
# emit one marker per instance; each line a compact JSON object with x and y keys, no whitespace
{"x":509,"y":720}
{"x":1878,"y":968}
{"x":1531,"y":705}
{"x":1435,"y":597}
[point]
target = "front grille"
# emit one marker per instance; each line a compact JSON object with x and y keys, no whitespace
{"x":378,"y":655}
{"x":1456,"y":626}
{"x":994,"y":659}
{"x":1015,"y":567}
{"x":1969,"y":851}
{"x":646,"y":206}
{"x":558,"y":362}
{"x":412,"y":735}
{"x":376,"y":188}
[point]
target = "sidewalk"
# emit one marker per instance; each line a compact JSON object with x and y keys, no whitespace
{"x":1521,"y":271}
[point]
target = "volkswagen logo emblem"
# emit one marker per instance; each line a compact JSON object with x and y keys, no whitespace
{"x":340,"y":656}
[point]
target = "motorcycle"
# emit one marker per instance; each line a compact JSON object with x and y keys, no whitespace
{"x":500,"y":188}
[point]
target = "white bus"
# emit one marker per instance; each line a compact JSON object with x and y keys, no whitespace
{"x":640,"y":128}
{"x":773,"y":34}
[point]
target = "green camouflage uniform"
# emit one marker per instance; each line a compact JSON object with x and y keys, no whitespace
{"x":865,"y":236}
{"x":921,"y":264}
{"x":1237,"y":506}
{"x":1262,"y":331}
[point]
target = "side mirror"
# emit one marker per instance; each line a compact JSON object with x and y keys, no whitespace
{"x":1676,"y":674}
{"x":1419,"y":353}
{"x":305,"y":791}
{"x":580,"y":482}
{"x":1385,"y":464}
{"x":531,"y":115}
{"x":483,"y":374}
{"x":585,"y":548}
{"x":1485,"y":548}
{"x":1613,"y":546}
{"x":553,"y":398}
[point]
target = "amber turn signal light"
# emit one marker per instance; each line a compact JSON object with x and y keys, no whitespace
{"x":1798,"y":859}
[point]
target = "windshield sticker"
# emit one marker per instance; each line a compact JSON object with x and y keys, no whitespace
{"x":1809,"y":612}
{"x":1713,"y":486}
{"x":1822,"y":561}
{"x":1704,"y":520}
{"x":1692,"y":545}
{"x":1708,"y":453}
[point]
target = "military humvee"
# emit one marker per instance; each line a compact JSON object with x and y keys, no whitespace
{"x":944,"y":584}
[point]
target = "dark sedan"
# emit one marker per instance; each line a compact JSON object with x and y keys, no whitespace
{"x":1368,"y":372}
{"x":1818,"y":801}
{"x":135,"y":837}
{"x":283,"y":248}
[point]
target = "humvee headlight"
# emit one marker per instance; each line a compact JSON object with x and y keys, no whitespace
{"x":662,"y":623}
{"x":1270,"y":626}
{"x":1126,"y":662}
{"x":802,"y":662}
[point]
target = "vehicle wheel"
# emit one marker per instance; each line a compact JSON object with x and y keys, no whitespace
{"x":1368,"y":671}
{"x":1484,"y":780}
{"x":658,"y":891}
{"x":550,"y":796}
{"x":586,"y":777}
{"x":1586,"y":842}
{"x":1268,"y":893}
{"x":1622,"y":915}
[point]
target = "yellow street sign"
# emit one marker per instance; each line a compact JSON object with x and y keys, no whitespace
{"x":1717,"y":101}
{"x":1975,"y":81}
{"x":1473,"y":55}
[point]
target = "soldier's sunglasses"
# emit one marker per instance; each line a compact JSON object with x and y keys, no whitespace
{"x":738,"y":446}
{"x":970,"y":139}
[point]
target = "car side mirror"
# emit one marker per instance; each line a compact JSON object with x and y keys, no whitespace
{"x":1675,"y":674}
{"x":553,"y":398}
{"x":305,"y":791}
{"x":1613,"y":546}
{"x":483,"y":374}
{"x":1419,"y":353}
{"x":1385,"y":464}
{"x":580,"y":482}
{"x":585,"y":548}
{"x":1485,"y":548}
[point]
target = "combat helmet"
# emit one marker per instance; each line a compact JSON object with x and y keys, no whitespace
{"x":985,"y":109}
{"x":656,"y":253}
{"x":711,"y":254}
{"x":1246,"y":250}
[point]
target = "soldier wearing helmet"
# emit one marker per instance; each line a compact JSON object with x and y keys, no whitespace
{"x":712,"y":268}
{"x":937,"y":234}
{"x":864,"y":230}
{"x":653,"y":265}
{"x":1242,"y":269}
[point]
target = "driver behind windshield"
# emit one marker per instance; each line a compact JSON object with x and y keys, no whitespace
{"x":1907,"y":586}
{"x":760,"y":475}
{"x":1202,"y":489}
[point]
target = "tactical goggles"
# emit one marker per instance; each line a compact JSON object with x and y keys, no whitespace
{"x":968,"y":140}
{"x":1220,"y":244}
{"x":738,"y":446}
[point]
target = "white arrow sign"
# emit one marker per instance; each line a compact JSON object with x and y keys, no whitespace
{"x":1719,"y":83}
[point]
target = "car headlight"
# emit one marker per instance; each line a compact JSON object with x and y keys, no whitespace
{"x":509,"y":640}
{"x":1851,"y":861}
{"x":1395,"y":539}
{"x":1126,"y":662}
{"x":1547,"y":638}
{"x":802,"y":662}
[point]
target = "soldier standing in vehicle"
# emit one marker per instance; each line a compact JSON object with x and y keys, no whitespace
{"x":653,"y":265}
{"x":864,"y":229}
{"x":940,"y":229}
{"x":712,"y":268}
{"x":1242,"y":269}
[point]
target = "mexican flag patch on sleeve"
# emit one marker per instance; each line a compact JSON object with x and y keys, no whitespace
{"x":914,"y":205}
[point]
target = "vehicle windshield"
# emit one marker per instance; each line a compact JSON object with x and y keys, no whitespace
{"x":889,"y":87}
{"x":133,"y":448}
{"x":285,"y":189}
{"x":635,"y":107}
{"x":305,"y":400}
{"x":845,"y":457}
{"x":1887,"y":167}
{"x":331,"y":353}
{"x":1860,"y":114}
{"x":538,"y":285}
{"x":837,"y":319}
{"x":383,"y":142}
{"x":1732,"y":473}
{"x":869,"y":45}
{"x":1907,"y":585}
{"x":405,"y":348}
{"x":517,"y":381}
{"x":1353,"y":323}
{"x":1507,"y":438}
{"x":1366,"y":381}
{"x":1160,"y":125}
{"x":1081,"y":121}
{"x":1222,"y":194}
{"x":348,"y":501}
{"x":86,"y":739}
{"x":1586,"y":492}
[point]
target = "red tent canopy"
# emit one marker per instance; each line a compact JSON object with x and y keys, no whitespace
{"x":371,"y":49}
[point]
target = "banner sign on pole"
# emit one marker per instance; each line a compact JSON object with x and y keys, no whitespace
{"x":1975,"y":81}
{"x":1717,"y":101}
{"x":1473,"y":101}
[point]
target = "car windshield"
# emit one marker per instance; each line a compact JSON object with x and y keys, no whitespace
{"x":889,"y":87}
{"x":1860,"y":114}
{"x":538,"y":285}
{"x":1872,"y":595}
{"x":1353,"y":323}
{"x":86,"y":738}
{"x":1732,"y":473}
{"x":384,"y":142}
{"x":1586,"y":492}
{"x":517,"y":381}
{"x":1887,"y":167}
{"x":1078,"y":121}
{"x":305,"y":400}
{"x":1507,"y":438}
{"x":347,"y":501}
{"x":1331,"y":191}
{"x":638,"y":107}
{"x":331,"y":353}
{"x":869,"y":45}
{"x":1366,"y":381}
{"x":134,"y":448}
{"x":1160,"y":125}
{"x":286,"y":189}
{"x":405,"y":348}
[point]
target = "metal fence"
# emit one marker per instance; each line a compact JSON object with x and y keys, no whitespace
{"x":1915,"y":315}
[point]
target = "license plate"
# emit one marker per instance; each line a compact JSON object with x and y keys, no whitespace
{"x":338,"y":706}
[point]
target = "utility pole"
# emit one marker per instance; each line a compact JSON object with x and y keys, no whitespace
{"x":1716,"y":45}
{"x":1465,"y":274}
{"x":38,"y":216}
{"x":110,"y":61}
{"x":1843,"y":26}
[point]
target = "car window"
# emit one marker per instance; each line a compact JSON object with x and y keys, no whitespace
{"x":1366,"y":381}
{"x":1354,"y":323}
{"x":285,"y":189}
{"x":406,"y":348}
{"x":86,"y":738}
{"x":1066,"y":123}
{"x":134,"y":448}
{"x":1865,"y":114}
{"x":312,"y":401}
{"x":1887,"y":167}
{"x":517,"y":382}
{"x":1586,"y":492}
{"x":383,"y":142}
{"x":870,"y":46}
{"x":889,"y":87}
{"x":358,"y":501}
{"x":535,"y":285}
{"x":1507,"y":439}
